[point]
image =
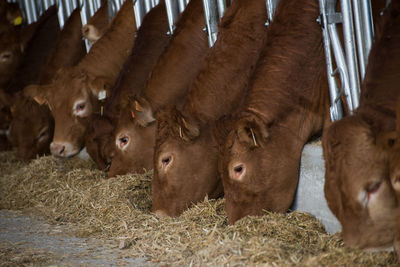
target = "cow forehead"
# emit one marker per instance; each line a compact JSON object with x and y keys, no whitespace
{"x":66,"y":92}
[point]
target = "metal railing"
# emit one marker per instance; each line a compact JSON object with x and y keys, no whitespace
{"x":349,"y":63}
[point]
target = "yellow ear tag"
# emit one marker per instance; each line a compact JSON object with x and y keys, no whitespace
{"x":18,"y":21}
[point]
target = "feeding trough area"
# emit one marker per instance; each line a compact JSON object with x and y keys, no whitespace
{"x":200,"y":132}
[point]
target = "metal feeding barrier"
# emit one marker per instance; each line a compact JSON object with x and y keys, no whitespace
{"x":346,"y":59}
{"x":350,"y":63}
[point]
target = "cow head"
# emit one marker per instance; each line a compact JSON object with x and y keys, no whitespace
{"x":72,"y":97}
{"x":357,"y":185}
{"x":185,"y":164}
{"x":259,"y":168}
{"x":31,"y":129}
{"x":134,"y":139}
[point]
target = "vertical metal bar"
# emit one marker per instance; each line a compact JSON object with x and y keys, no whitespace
{"x":221,"y":8}
{"x":359,"y":36}
{"x":181,"y":5}
{"x":60,"y":13}
{"x":368,"y":29}
{"x":172,"y":13}
{"x":349,"y":44}
{"x":147,"y":6}
{"x":138,"y":11}
{"x":336,"y":112}
{"x":210,"y":13}
{"x":30,"y":11}
{"x":271,"y":7}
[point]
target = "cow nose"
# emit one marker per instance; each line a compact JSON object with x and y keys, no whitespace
{"x":57,"y":149}
{"x":161,"y":213}
{"x":238,"y":171}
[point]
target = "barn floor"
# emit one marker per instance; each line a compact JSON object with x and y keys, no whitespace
{"x":73,"y":197}
{"x":27,"y":240}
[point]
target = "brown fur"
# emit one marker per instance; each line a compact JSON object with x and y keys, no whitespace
{"x":287,"y":103}
{"x":97,"y":25}
{"x":32,"y":126}
{"x":43,"y":35}
{"x":96,"y":72}
{"x":10,"y":52}
{"x":38,"y":48}
{"x":168,"y":84}
{"x":150,"y":42}
{"x":219,"y":88}
{"x":353,"y":153}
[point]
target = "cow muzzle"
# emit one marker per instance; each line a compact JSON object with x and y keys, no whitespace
{"x":63,"y":149}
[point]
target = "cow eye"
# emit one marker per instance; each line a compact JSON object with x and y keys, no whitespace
{"x":373,"y":187}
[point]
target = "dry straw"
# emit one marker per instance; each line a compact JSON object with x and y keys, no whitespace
{"x":74,"y":191}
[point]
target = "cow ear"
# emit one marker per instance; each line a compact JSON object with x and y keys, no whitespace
{"x":141,"y":111}
{"x":187,"y":130}
{"x":99,"y":87}
{"x":252,"y":131}
{"x":37,"y":92}
{"x":332,"y":157}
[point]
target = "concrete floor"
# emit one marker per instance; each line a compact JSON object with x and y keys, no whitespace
{"x":310,"y":191}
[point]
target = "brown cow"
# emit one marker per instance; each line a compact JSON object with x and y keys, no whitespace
{"x":45,"y":32}
{"x":77,"y":92}
{"x":38,"y":48}
{"x":357,"y":184}
{"x":97,"y":25}
{"x":287,"y":103}
{"x":150,"y":42}
{"x":167,"y":84}
{"x":186,"y":153}
{"x":32,"y":125}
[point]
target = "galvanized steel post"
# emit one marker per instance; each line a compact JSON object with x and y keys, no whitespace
{"x":349,"y":45}
{"x":172,"y":13}
{"x":271,"y":7}
{"x":31,"y":11}
{"x":210,"y":13}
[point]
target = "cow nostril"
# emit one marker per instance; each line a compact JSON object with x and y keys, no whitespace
{"x":165,"y":161}
{"x":238,"y":169}
{"x":62,"y":150}
{"x":238,"y":172}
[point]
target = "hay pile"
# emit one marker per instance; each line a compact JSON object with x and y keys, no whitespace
{"x":74,"y":191}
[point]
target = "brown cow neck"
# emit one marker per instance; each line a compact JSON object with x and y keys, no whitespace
{"x":68,"y":51}
{"x":220,"y":87}
{"x":167,"y":84}
{"x":108,"y":54}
